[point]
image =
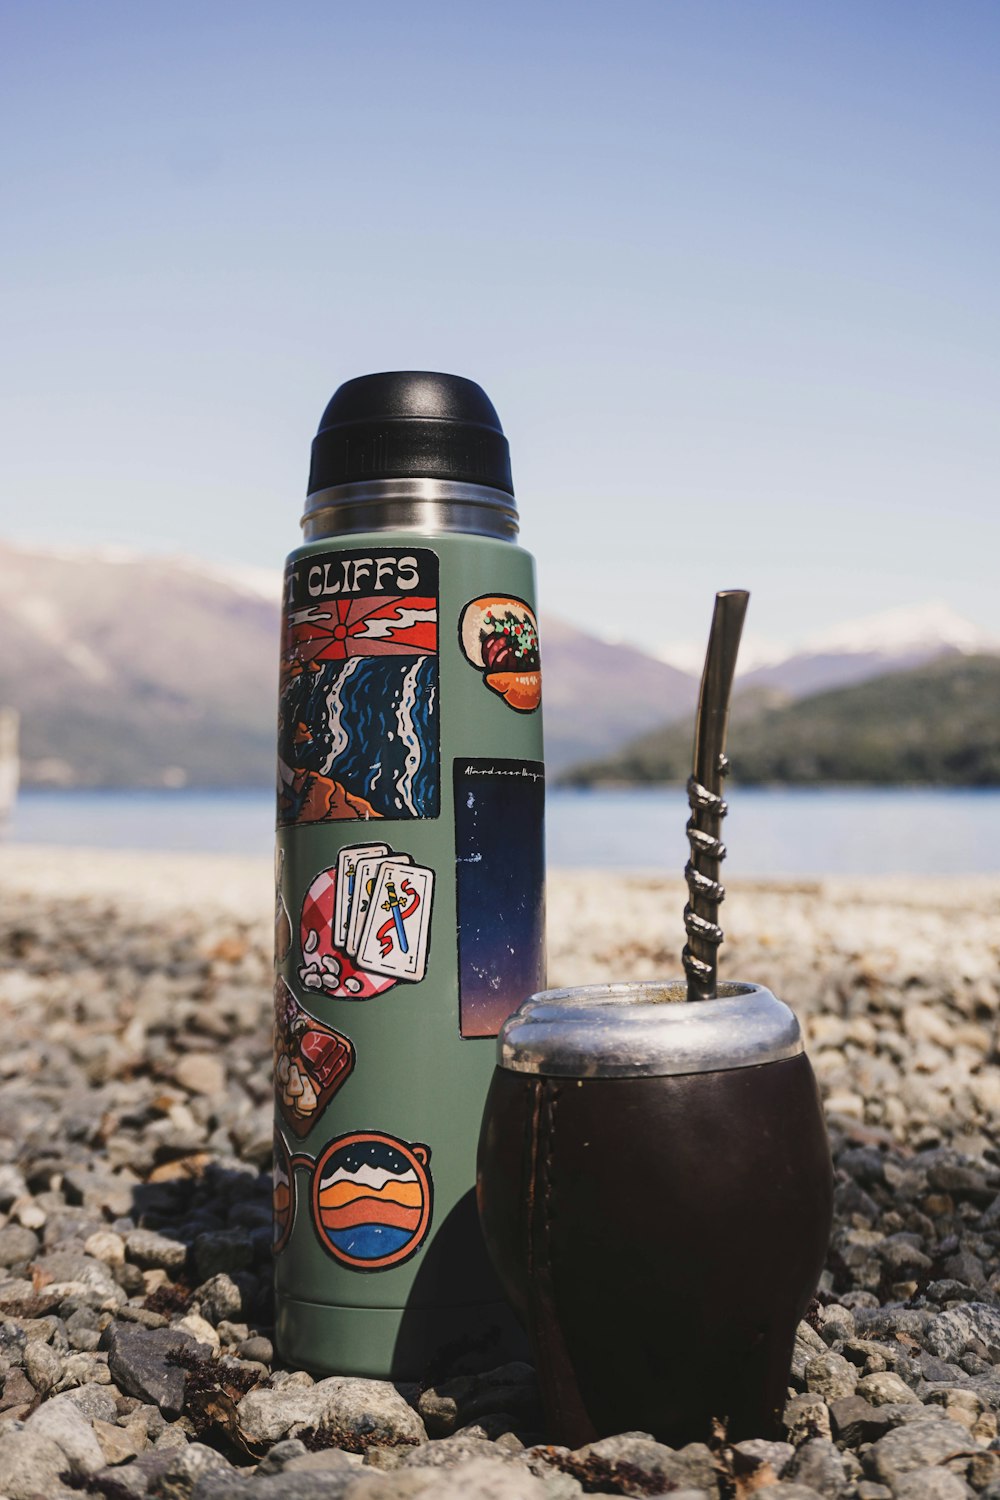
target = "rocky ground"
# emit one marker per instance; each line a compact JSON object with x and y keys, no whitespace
{"x":135,"y":1306}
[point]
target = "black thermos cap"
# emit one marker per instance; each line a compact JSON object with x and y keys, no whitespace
{"x":410,"y":424}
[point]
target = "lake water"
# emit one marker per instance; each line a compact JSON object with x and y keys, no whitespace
{"x":770,"y":832}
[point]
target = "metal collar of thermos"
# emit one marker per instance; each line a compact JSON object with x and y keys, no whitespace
{"x":421,"y":505}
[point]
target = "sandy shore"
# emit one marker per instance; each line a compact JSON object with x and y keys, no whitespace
{"x":135,"y":1199}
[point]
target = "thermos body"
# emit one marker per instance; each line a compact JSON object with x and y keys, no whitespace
{"x":409,"y":923}
{"x":660,"y":1229}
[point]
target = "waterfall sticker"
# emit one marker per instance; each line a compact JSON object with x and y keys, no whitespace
{"x":358,"y":726}
{"x":366,"y":923}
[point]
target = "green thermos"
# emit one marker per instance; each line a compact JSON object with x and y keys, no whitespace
{"x":409,"y":909}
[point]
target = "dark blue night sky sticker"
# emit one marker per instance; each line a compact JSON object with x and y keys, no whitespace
{"x":500,"y":875}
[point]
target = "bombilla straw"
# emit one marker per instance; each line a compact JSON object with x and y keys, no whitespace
{"x":701,"y":914}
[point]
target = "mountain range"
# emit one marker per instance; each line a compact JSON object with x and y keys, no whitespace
{"x":936,"y":724}
{"x":137,"y":670}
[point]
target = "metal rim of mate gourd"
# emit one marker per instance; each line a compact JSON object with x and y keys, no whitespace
{"x":646,"y":1030}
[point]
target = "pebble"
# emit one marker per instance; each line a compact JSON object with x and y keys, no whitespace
{"x":201,"y":1073}
{"x":830,"y":1375}
{"x":885,"y":1388}
{"x":56,"y":1439}
{"x":916,"y":1445}
{"x":141,"y":1362}
{"x":150,"y":1251}
{"x":135,"y":1204}
{"x":17,"y":1244}
{"x":819,"y":1464}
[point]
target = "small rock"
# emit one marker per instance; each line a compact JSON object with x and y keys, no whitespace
{"x":200,"y":1328}
{"x":885,"y":1388}
{"x":831,"y":1376}
{"x":818,"y":1464}
{"x":57,"y":1439}
{"x":787,"y":1491}
{"x":190,"y":1465}
{"x":116,"y":1445}
{"x":806,"y":1417}
{"x":856,"y":1421}
{"x":107,"y":1246}
{"x":952,"y":1333}
{"x":511,"y":1388}
{"x":280,"y":1454}
{"x":256,"y":1348}
{"x":219,"y":1298}
{"x":359,"y":1413}
{"x":201,"y":1073}
{"x":17,"y":1244}
{"x":42,"y":1365}
{"x":778,"y":1455}
{"x":691,"y":1467}
{"x":917,"y":1445}
{"x":931,"y":1484}
{"x":140,"y":1363}
{"x":151,"y":1251}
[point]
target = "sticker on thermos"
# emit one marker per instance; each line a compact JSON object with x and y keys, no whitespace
{"x":358,"y":729}
{"x":498,"y":635}
{"x":282,"y":1194}
{"x":311,"y":1061}
{"x":371,"y":1199}
{"x":366,"y":923}
{"x":499,"y":872}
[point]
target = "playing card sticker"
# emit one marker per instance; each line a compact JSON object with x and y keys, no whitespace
{"x":371,"y":1199}
{"x":499,"y":636}
{"x":358,"y":730}
{"x":500,"y":875}
{"x":347,"y":870}
{"x":397,"y":945}
{"x":311,"y":1061}
{"x":382,"y":903}
{"x":282,"y":1194}
{"x":368,"y":869}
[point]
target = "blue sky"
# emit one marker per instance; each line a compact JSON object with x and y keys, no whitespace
{"x":727,"y":270}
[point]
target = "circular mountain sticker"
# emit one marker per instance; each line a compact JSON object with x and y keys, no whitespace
{"x":371,"y":1200}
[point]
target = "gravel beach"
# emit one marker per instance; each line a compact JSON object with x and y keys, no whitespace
{"x":135,"y":1302}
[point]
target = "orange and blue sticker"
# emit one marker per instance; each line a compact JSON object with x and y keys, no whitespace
{"x":372,"y":1197}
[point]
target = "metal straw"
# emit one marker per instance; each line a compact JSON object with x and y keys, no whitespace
{"x":701,"y":914}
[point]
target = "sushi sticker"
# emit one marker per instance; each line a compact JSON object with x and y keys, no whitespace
{"x":366,"y":924}
{"x":372,"y":1199}
{"x":311,"y":1061}
{"x":282,"y":1194}
{"x":499,"y":637}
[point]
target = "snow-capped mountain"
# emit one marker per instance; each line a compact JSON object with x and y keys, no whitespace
{"x":890,"y":641}
{"x":130,"y":669}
